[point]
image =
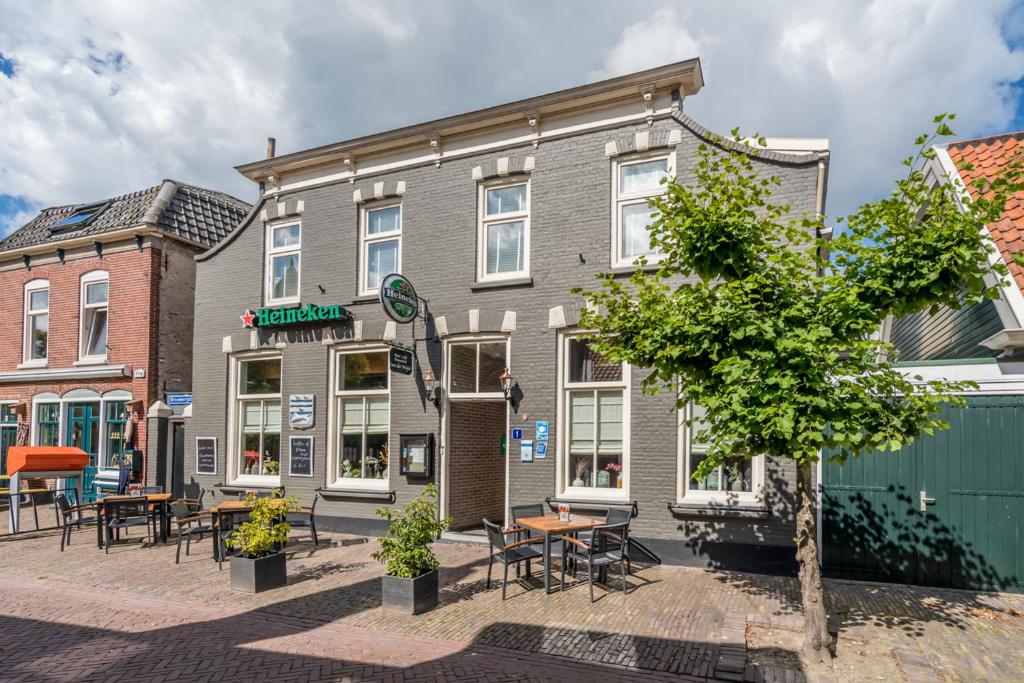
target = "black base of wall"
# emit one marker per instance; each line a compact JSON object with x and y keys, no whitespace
{"x":740,"y":557}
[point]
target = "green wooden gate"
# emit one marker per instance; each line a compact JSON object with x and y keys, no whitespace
{"x":947,"y":510}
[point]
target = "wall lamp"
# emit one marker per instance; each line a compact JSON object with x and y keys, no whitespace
{"x":430,"y":382}
{"x":506,"y":384}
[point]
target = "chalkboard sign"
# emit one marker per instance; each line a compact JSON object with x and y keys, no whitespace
{"x":206,"y":455}
{"x":300,"y":456}
{"x":401,"y":361}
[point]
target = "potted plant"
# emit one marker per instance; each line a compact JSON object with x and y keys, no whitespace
{"x":410,"y":584}
{"x":582,"y":466}
{"x":261,"y":563}
{"x":614,"y":469}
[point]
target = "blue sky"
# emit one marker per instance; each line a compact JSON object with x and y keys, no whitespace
{"x":107,"y":97}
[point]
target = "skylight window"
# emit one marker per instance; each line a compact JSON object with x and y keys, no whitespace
{"x":80,"y":217}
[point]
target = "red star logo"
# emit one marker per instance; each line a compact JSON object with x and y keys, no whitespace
{"x":247,"y":319}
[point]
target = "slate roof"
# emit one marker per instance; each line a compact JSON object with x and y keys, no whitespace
{"x":192,"y":213}
{"x":988,"y":155}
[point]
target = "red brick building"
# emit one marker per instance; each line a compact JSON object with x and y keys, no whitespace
{"x":98,"y":302}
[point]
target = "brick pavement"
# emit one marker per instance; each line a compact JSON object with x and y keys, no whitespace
{"x":137,"y":603}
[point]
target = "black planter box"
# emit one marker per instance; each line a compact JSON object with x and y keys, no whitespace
{"x":260,"y":574}
{"x":411,"y":596}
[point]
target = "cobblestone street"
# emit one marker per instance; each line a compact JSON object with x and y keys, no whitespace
{"x":135,"y":615}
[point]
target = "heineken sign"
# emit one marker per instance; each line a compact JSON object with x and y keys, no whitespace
{"x":398,"y":298}
{"x":300,"y":315}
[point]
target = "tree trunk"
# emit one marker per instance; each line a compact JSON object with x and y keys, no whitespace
{"x":817,"y":639}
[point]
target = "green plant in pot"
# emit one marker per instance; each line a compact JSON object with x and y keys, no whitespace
{"x":410,"y":584}
{"x":260,"y":562}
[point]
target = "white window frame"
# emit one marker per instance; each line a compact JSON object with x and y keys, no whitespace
{"x":366,"y":239}
{"x":622,"y":199}
{"x":563,"y":481}
{"x":684,"y":494}
{"x":27,"y":359}
{"x":276,"y":252}
{"x":484,"y":221}
{"x":84,"y":335}
{"x":334,"y":417}
{"x":473,"y":341}
{"x":235,"y":421}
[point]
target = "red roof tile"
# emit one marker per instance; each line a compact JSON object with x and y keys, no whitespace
{"x":988,"y":155}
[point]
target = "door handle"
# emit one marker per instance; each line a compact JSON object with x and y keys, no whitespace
{"x":926,"y":501}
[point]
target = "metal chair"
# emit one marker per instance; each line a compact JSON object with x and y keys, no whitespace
{"x":124,"y":514}
{"x":599,"y":553}
{"x":507,"y":553}
{"x":193,"y":496}
{"x":305,"y":519}
{"x":67,"y":510}
{"x":189,"y":524}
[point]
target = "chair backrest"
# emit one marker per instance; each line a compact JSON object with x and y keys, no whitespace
{"x":618,"y":515}
{"x":180,"y":510}
{"x":128,"y":506}
{"x":605,"y":536}
{"x":527,"y":510}
{"x":494,"y":535}
{"x":192,"y":491}
{"x":62,"y":503}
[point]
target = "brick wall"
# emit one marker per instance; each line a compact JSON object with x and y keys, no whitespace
{"x":476,"y":466}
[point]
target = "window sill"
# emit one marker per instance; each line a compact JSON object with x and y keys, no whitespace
{"x":282,"y":302}
{"x":258,"y":481}
{"x":752,"y":509}
{"x":500,"y":284}
{"x":380,"y":485}
{"x":368,"y":494}
{"x":629,"y":269}
{"x":366,"y":299}
{"x":33,"y":365}
{"x":97,"y":360}
{"x":595,"y":495}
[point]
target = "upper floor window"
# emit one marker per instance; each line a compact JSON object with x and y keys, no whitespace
{"x":595,"y":403}
{"x":381,"y":245}
{"x":37,"y":319}
{"x":738,"y":477}
{"x":636,"y":182}
{"x":93,"y":316}
{"x":504,"y":231}
{"x":284,"y":243}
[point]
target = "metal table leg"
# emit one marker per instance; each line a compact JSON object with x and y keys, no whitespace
{"x":547,"y":563}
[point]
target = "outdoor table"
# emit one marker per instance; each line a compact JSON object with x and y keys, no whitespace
{"x":160,"y":500}
{"x":551,"y":524}
{"x":227,"y":508}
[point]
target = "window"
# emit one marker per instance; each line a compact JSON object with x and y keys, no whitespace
{"x":475,"y":368}
{"x":37,"y":320}
{"x":259,"y":417}
{"x":504,"y":236}
{"x":47,"y":424}
{"x":93,"y":334}
{"x":116,"y":436}
{"x":381,"y":239}
{"x":595,"y":403}
{"x":636,"y":183}
{"x":8,"y":432}
{"x":283,"y":262}
{"x":362,"y":409}
{"x":79,"y":217}
{"x":738,"y":477}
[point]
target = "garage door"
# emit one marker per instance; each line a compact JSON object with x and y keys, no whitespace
{"x":943,"y":511}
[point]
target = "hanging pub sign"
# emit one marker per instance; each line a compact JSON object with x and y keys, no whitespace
{"x":299,"y":315}
{"x":401,"y":361}
{"x":398,"y":298}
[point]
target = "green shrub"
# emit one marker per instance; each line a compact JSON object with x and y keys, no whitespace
{"x":266,"y":531}
{"x":405,"y":548}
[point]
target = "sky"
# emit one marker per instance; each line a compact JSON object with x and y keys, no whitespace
{"x":101,"y":98}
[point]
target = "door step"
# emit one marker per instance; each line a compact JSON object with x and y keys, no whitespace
{"x":473,"y":536}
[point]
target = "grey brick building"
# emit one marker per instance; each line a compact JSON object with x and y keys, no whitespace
{"x":494,"y":216}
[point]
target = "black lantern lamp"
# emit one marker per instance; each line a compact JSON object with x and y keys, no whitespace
{"x":506,"y":384}
{"x":431,"y":384}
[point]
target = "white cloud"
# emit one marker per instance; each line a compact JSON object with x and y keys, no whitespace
{"x":108,"y":97}
{"x":868,"y":76}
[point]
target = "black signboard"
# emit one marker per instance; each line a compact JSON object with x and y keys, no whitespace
{"x":401,"y":361}
{"x":206,"y":455}
{"x":300,"y":456}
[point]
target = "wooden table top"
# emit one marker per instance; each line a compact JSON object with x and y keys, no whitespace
{"x":550,"y":524}
{"x":232,"y":506}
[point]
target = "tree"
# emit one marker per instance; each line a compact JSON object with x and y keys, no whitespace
{"x":773,"y":330}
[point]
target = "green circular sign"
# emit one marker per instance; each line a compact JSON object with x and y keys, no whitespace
{"x":398,"y":298}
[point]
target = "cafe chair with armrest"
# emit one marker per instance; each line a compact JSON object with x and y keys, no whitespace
{"x":189,"y":524}
{"x":193,"y":498}
{"x":69,"y":519}
{"x":305,"y":519}
{"x":604,"y":550}
{"x":521,"y":532}
{"x":508,"y":553}
{"x":124,"y":514}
